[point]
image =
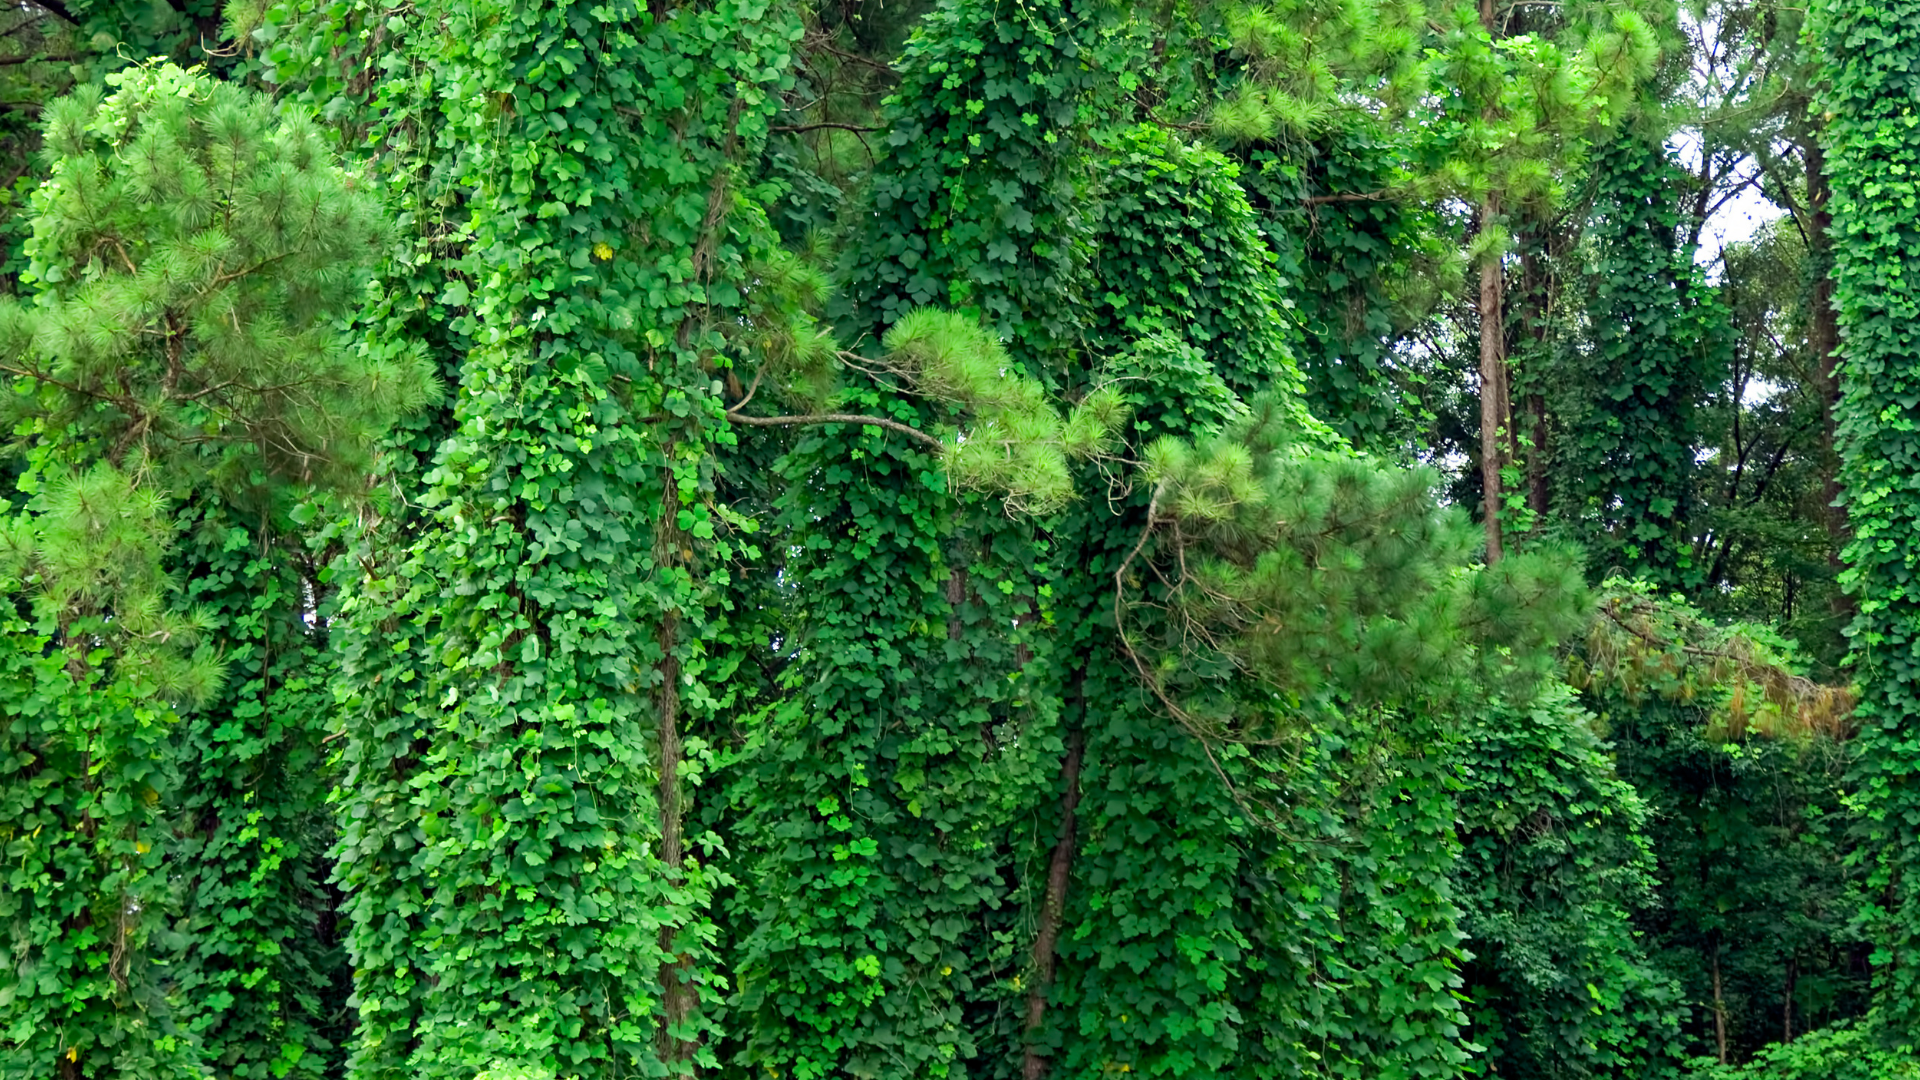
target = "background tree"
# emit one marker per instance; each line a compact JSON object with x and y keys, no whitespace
{"x":1650,"y":340}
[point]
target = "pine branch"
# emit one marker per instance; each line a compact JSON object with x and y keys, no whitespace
{"x":795,"y":129}
{"x":835,"y":418}
{"x":1358,"y":196}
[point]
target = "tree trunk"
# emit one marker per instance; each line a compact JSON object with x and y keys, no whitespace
{"x":1493,"y":382}
{"x":678,"y":996}
{"x":1493,"y":345}
{"x":1823,"y":338}
{"x":1537,"y":304}
{"x":1538,"y":492}
{"x":1719,"y":1010}
{"x":956,"y":594}
{"x":1054,"y":906}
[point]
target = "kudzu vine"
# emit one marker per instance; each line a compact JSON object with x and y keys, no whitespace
{"x":1622,"y":461}
{"x":1873,"y":148}
{"x":689,"y":611}
{"x":523,"y":642}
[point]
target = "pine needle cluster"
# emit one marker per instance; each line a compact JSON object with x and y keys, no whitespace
{"x":1017,"y":444}
{"x":94,"y":550}
{"x":1312,"y":63}
{"x":794,"y":351}
{"x":194,"y":248}
{"x":1748,"y":678}
{"x":195,"y":252}
{"x":1334,"y":577}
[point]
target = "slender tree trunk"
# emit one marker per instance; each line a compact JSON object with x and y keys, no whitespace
{"x":1539,"y":494}
{"x":956,"y":593}
{"x":1537,"y":304}
{"x":1053,"y":908}
{"x":1823,"y":338}
{"x":1494,"y":414}
{"x":1719,"y":1010}
{"x":678,"y":995}
{"x":1493,"y":382}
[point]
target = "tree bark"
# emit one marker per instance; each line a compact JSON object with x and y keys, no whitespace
{"x":1537,"y":303}
{"x":956,"y":594}
{"x":1719,"y":1010}
{"x":1493,"y":345}
{"x":1053,"y":908}
{"x":1539,"y":493}
{"x":678,"y":996}
{"x":1823,"y":338}
{"x":1493,"y":382}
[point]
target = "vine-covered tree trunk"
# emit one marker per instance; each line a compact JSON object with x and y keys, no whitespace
{"x":1627,"y":461}
{"x":889,"y":900}
{"x":254,"y":979}
{"x":525,"y":648}
{"x":1873,"y":156}
{"x":1538,"y":286}
{"x":1053,"y":902}
{"x":1823,"y":341}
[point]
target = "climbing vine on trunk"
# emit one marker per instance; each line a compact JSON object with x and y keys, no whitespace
{"x":523,"y":638}
{"x":1873,"y":149}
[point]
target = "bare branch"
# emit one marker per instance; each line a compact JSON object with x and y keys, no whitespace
{"x":1358,"y":196}
{"x":794,"y":129}
{"x":835,"y":418}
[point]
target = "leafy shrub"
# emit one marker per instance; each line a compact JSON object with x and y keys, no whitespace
{"x":1842,"y":1052}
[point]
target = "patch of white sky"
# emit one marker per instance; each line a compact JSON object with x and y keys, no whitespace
{"x":1721,"y":78}
{"x":1738,"y":210}
{"x":1738,"y":216}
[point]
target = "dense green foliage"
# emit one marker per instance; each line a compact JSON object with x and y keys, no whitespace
{"x":179,"y":368}
{"x":1843,"y":1052}
{"x":954,"y":538}
{"x":1871,"y":148}
{"x":1624,"y":456}
{"x":526,"y":641}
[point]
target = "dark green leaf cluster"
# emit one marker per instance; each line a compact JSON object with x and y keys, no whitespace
{"x":254,"y":973}
{"x":1555,"y":862}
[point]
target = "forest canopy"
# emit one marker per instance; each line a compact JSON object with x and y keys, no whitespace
{"x":959,"y":539}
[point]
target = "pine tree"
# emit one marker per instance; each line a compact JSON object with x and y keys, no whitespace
{"x":194,"y":251}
